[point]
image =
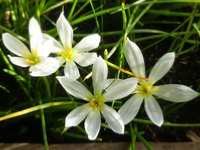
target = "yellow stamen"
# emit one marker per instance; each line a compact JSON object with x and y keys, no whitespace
{"x":67,"y":54}
{"x":146,"y":88}
{"x":97,"y":102}
{"x":33,"y":58}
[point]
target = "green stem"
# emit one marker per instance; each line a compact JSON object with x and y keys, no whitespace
{"x":95,"y":16}
{"x":54,"y":6}
{"x":168,"y":124}
{"x":90,"y":16}
{"x":48,"y":90}
{"x":196,"y":28}
{"x":133,"y":138}
{"x":123,"y":70}
{"x":72,"y":9}
{"x":144,"y":141}
{"x":188,"y":28}
{"x":132,"y":25}
{"x":43,"y":122}
{"x":33,"y":109}
{"x":61,"y":103}
{"x":121,"y":56}
{"x":118,"y":68}
{"x":80,"y":9}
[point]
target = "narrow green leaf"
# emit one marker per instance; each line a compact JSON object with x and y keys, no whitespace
{"x":32,"y":109}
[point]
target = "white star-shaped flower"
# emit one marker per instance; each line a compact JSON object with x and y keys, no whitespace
{"x":146,"y":90}
{"x":37,"y":57}
{"x":71,"y":55}
{"x":104,"y":91}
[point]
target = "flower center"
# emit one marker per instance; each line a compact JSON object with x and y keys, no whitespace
{"x":97,"y":102}
{"x":67,"y":54}
{"x":33,"y":58}
{"x":146,"y":88}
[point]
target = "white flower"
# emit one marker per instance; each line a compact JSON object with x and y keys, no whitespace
{"x":104,"y":91}
{"x":146,"y":90}
{"x":37,"y":57}
{"x":72,"y":55}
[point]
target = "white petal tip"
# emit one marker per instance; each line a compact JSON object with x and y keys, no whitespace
{"x":62,"y":13}
{"x":121,"y":132}
{"x":172,"y":54}
{"x":32,"y":74}
{"x":60,"y":78}
{"x":39,"y":74}
{"x":61,"y":16}
{"x":91,"y":138}
{"x":127,"y":39}
{"x":196,"y":94}
{"x":67,"y":126}
{"x":32,"y":19}
{"x":5,"y":36}
{"x":159,"y":124}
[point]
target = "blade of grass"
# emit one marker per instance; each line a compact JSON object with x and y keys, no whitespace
{"x":58,"y":4}
{"x":188,"y":29}
{"x":72,"y":9}
{"x":169,"y":124}
{"x":44,"y":130}
{"x":95,"y":16}
{"x":33,"y":109}
{"x":196,"y":28}
{"x":145,"y":142}
{"x":133,"y":137}
{"x":80,"y":9}
{"x":90,"y":16}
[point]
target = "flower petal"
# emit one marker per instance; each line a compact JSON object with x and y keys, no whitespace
{"x":93,"y":124}
{"x":113,"y":119}
{"x":48,"y":45}
{"x":153,"y":110}
{"x":65,"y":31}
{"x":19,"y":61}
{"x":35,"y":34}
{"x":99,"y":74}
{"x":74,"y":88}
{"x":71,"y":71}
{"x":46,"y":67}
{"x":120,"y":89}
{"x":14,"y":45}
{"x":85,"y":59}
{"x":76,"y":116}
{"x":129,"y":110}
{"x":88,"y":43}
{"x":109,"y":82}
{"x":162,"y":67}
{"x":176,"y":93}
{"x":134,"y":58}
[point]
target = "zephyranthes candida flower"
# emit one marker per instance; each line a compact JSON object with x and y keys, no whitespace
{"x":72,"y":55}
{"x":37,"y":57}
{"x":95,"y":103}
{"x":146,"y":90}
